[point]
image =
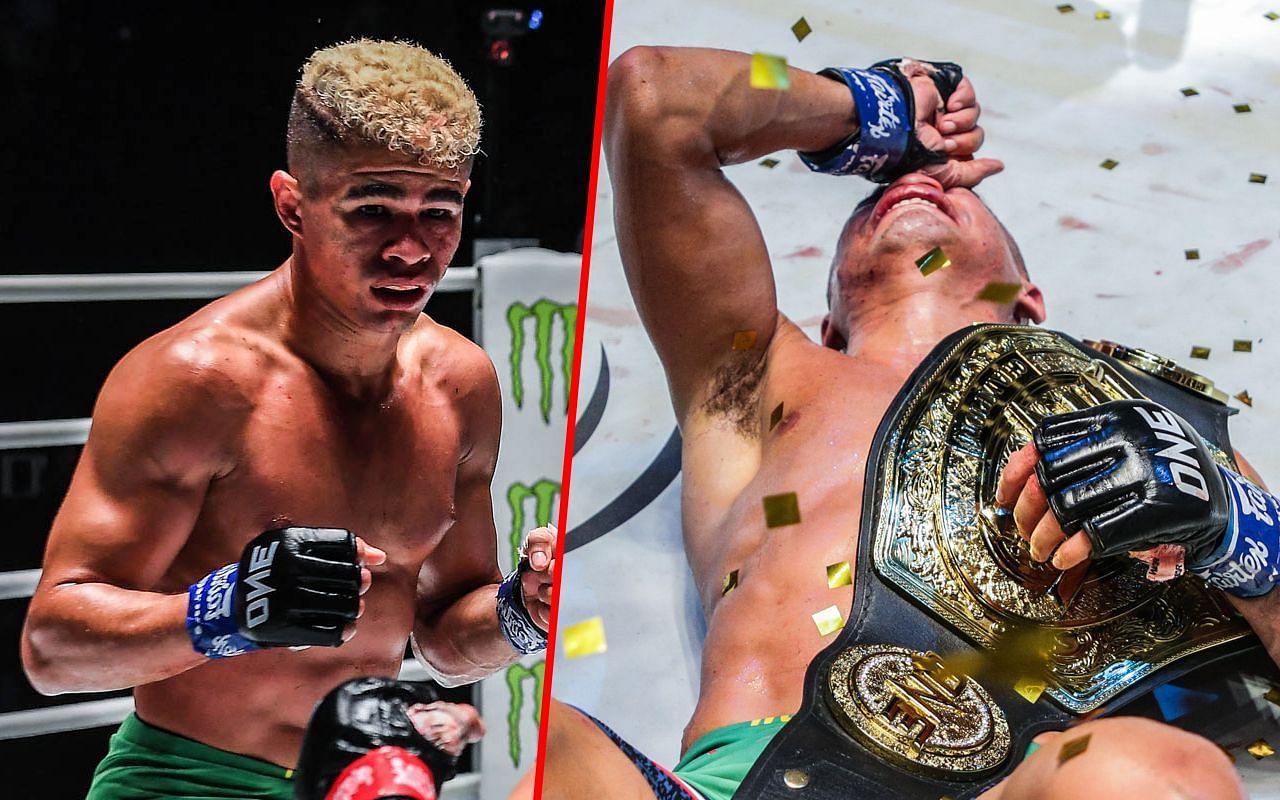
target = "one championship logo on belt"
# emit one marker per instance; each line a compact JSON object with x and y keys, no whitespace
{"x":910,"y":708}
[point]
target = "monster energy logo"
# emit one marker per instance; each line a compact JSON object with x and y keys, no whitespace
{"x":517,"y":674}
{"x":543,"y":313}
{"x":544,"y":493}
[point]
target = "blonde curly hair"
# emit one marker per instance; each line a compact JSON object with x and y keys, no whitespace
{"x":391,"y":93}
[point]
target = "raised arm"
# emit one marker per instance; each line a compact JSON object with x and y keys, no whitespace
{"x":693,"y":253}
{"x":98,"y":619}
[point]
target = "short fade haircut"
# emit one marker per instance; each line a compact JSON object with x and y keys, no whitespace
{"x":389,"y":93}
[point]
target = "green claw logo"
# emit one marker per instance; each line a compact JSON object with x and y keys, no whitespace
{"x":544,"y":493}
{"x":517,"y":674}
{"x":543,"y":312}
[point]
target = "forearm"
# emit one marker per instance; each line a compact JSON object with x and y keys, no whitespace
{"x":1263,"y":615}
{"x":462,"y":643}
{"x":699,"y":105}
{"x":94,"y":637}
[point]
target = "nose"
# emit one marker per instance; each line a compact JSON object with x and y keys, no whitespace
{"x":407,"y":248}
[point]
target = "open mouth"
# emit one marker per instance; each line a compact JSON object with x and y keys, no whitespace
{"x":400,"y":296}
{"x":909,"y":196}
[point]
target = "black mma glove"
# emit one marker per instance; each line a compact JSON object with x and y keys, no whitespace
{"x":361,"y":743}
{"x":292,"y":587}
{"x":1133,"y":475}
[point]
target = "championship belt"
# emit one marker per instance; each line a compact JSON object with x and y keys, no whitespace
{"x":941,"y":571}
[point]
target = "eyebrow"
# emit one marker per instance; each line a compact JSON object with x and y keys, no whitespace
{"x":366,"y":190}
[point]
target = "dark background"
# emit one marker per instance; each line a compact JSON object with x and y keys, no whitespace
{"x":140,"y":138}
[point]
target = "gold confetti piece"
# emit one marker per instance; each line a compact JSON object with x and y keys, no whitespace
{"x":1273,"y":694}
{"x":744,"y":340}
{"x":1244,"y":397}
{"x":1242,"y":108}
{"x":839,"y":574}
{"x":730,"y":583}
{"x":1192,"y":255}
{"x":828,"y":620}
{"x":1110,"y":163}
{"x":775,"y":417}
{"x":1271,"y":15}
{"x":933,"y":261}
{"x":1257,"y":177}
{"x":1073,"y":748}
{"x":781,"y":509}
{"x":801,"y":29}
{"x":770,"y":163}
{"x":1066,"y":8}
{"x":1101,"y":15}
{"x":585,"y":638}
{"x":1260,"y":749}
{"x":1189,"y":91}
{"x":1242,"y":345}
{"x":1000,"y":292}
{"x":1199,"y":352}
{"x":769,"y":72}
{"x":1030,"y":688}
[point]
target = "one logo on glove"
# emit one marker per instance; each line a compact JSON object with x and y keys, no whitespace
{"x":1182,"y":465}
{"x":258,"y":608}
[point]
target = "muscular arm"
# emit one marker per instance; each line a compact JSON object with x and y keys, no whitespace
{"x":456,"y":633}
{"x":98,"y":619}
{"x":690,"y":245}
{"x":693,"y":254}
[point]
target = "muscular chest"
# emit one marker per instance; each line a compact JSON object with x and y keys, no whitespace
{"x":386,"y":473}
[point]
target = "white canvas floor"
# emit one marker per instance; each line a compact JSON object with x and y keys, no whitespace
{"x":1061,"y":93}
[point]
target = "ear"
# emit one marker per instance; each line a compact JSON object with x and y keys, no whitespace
{"x":831,"y":337}
{"x":1030,"y":305}
{"x":287,"y":197}
{"x":466,"y":187}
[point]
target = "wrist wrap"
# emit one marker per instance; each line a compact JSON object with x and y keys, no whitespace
{"x":211,"y":623}
{"x":514,"y":619}
{"x":885,"y":147}
{"x":1247,"y":563}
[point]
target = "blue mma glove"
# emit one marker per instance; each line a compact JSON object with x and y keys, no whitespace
{"x":885,"y":146}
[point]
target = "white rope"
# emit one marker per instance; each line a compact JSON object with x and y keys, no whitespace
{"x":18,"y":584}
{"x":43,"y":433}
{"x":160,"y":285}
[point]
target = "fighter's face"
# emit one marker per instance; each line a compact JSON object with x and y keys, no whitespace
{"x":379,"y":230}
{"x":910,"y":217}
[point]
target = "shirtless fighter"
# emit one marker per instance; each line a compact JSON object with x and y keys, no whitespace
{"x":691,"y":249}
{"x":317,"y":435}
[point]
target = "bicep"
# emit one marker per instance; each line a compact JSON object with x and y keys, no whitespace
{"x":139,"y":485}
{"x":693,"y":253}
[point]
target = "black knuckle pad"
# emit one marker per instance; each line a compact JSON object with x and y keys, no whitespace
{"x":946,"y":76}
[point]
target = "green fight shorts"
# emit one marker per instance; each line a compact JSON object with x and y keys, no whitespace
{"x":719,"y":760}
{"x":145,"y":762}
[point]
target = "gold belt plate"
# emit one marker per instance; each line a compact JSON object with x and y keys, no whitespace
{"x":911,"y":709}
{"x":938,"y":535}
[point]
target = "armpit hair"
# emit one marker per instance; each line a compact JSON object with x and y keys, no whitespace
{"x":735,"y":392}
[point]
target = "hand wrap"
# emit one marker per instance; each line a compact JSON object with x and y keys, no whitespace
{"x":885,"y":146}
{"x":361,"y":743}
{"x":514,"y":619}
{"x":292,"y":587}
{"x":1247,"y":564}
